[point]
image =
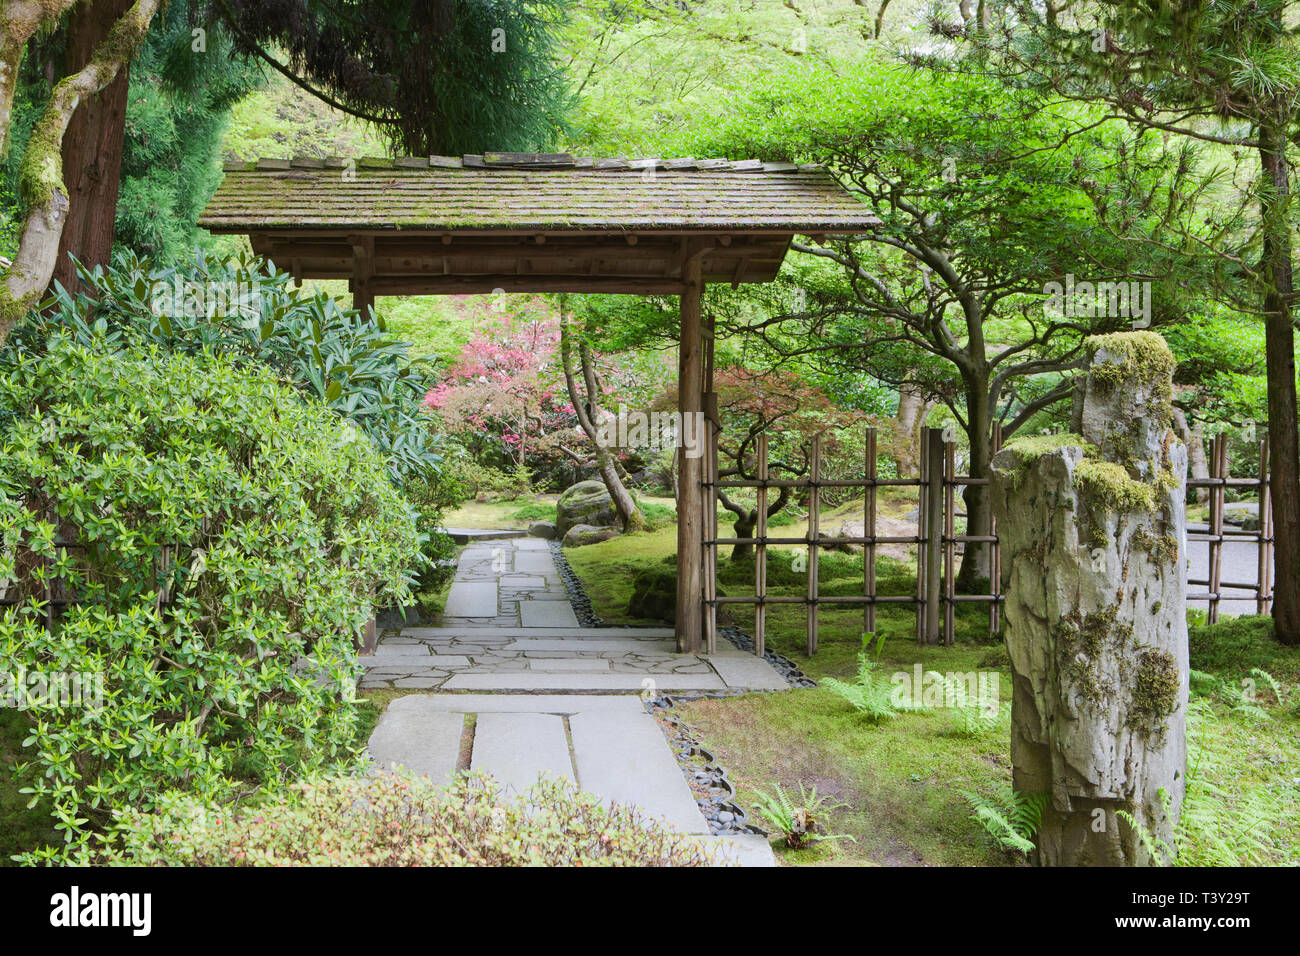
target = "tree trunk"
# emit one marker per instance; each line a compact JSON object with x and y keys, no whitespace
{"x":1279,"y":363}
{"x":975,"y":563}
{"x":1194,"y":439}
{"x":41,"y":176}
{"x":589,"y":413}
{"x":744,"y":526}
{"x":92,"y":147}
{"x":19,"y":21}
{"x":912,"y":408}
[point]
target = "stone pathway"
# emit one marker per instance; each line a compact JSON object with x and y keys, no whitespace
{"x":508,"y":626}
{"x":524,"y":691}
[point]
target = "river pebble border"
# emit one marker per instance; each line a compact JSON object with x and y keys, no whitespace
{"x":708,"y":781}
{"x":587,"y":617}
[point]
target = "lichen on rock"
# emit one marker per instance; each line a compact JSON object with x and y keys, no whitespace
{"x":1093,"y":525}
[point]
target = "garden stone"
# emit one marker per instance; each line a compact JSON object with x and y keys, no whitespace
{"x":583,"y":534}
{"x":543,"y":529}
{"x":886,"y":527}
{"x":1093,"y":536}
{"x":654,"y":595}
{"x":586,"y":503}
{"x":392,"y":617}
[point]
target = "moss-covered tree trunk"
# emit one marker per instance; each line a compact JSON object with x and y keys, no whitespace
{"x":41,"y":185}
{"x":975,"y":561}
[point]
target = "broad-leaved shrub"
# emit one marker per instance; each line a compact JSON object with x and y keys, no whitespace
{"x":223,"y":542}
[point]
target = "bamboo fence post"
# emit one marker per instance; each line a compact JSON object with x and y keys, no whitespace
{"x":1264,"y":600}
{"x":814,"y":504}
{"x":711,"y":428}
{"x":869,"y":532}
{"x":1219,"y":465}
{"x":934,"y":492}
{"x":950,"y":533}
{"x":760,"y":550}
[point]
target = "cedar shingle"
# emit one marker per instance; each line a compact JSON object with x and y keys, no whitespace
{"x":533,"y":192}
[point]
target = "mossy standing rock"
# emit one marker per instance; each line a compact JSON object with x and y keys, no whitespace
{"x":1092,"y":527}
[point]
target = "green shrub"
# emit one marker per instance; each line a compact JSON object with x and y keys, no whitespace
{"x":475,"y":480}
{"x":656,"y":515}
{"x":401,"y":820}
{"x":270,"y":525}
{"x":430,"y":496}
{"x":245,"y":311}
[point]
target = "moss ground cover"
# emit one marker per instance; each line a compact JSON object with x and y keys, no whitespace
{"x":903,"y":778}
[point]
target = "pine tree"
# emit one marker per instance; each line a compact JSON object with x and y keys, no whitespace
{"x":1221,"y":72}
{"x":438,"y":76}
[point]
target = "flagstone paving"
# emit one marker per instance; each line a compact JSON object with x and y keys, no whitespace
{"x":508,"y":626}
{"x":548,"y":697}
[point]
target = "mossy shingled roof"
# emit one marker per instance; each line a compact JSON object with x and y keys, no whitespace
{"x":511,"y":191}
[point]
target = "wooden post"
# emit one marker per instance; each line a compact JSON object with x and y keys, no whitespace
{"x":869,"y":532}
{"x":363,"y":264}
{"x":709,"y":493}
{"x":814,"y":504}
{"x":1264,"y":600}
{"x":690,"y":403}
{"x":934,"y":533}
{"x":369,"y":636}
{"x":1218,"y":470}
{"x":760,"y":550}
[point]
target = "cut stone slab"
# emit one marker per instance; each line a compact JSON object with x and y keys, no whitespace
{"x":467,"y":535}
{"x":624,"y":646}
{"x":472,"y":599}
{"x":625,"y":759}
{"x":517,"y":748}
{"x":752,"y":673}
{"x":609,"y":683}
{"x":740,"y":849}
{"x":395,"y":652}
{"x":526,"y":703}
{"x":535,"y":562}
{"x":531,"y":544}
{"x":521,"y":581}
{"x":477,"y":634}
{"x":424,"y":740}
{"x":565,"y":665}
{"x":419,"y":683}
{"x":545,"y":613}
